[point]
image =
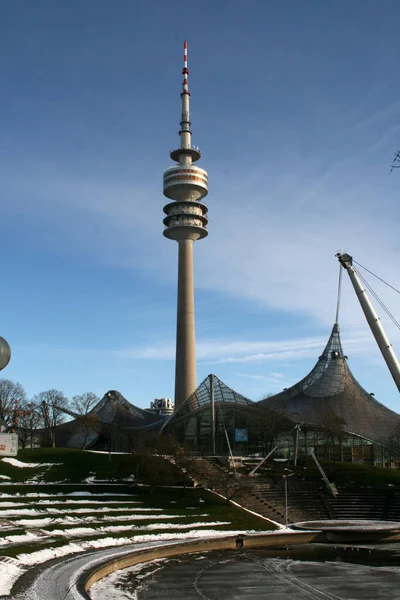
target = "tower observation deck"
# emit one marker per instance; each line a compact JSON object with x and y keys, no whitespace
{"x":185,"y":222}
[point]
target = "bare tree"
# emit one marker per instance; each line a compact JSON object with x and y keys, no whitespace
{"x":222,"y":480}
{"x":233,"y":485}
{"x":52,"y":403}
{"x":29,"y":421}
{"x":11,"y":396}
{"x":83,"y":405}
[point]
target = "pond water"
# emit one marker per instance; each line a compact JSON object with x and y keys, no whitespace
{"x":317,"y":571}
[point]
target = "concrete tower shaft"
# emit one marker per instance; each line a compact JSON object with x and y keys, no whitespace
{"x":185,"y":222}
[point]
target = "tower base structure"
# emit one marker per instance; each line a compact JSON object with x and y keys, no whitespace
{"x":185,"y":367}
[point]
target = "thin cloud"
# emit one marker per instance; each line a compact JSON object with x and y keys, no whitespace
{"x":254,"y":377}
{"x":227,"y":351}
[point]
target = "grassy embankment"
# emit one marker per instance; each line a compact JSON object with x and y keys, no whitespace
{"x":40,"y":508}
{"x":74,"y":466}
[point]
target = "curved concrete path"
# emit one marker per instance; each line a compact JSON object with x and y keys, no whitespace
{"x":59,"y":580}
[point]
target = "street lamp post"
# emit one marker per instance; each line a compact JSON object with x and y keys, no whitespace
{"x":285,"y":478}
{"x":286,"y":506}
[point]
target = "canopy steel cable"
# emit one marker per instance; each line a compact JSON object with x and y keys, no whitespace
{"x":167,"y":421}
{"x":387,"y":311}
{"x":380,"y":279}
{"x":381,"y":303}
{"x":339,"y":294}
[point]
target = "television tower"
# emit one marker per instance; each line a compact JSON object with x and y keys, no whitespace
{"x":185,"y":223}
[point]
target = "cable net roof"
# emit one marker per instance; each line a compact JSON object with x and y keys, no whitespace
{"x":114,"y":413}
{"x":330,"y":396}
{"x":114,"y":409}
{"x":201,"y":398}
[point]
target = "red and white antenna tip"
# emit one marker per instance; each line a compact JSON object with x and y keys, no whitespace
{"x":185,"y":71}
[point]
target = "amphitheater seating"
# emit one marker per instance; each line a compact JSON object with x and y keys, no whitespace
{"x":366,"y":503}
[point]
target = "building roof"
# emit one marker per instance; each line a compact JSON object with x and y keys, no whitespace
{"x":331,"y":394}
{"x":114,"y":413}
{"x":114,"y":409}
{"x":224,"y":396}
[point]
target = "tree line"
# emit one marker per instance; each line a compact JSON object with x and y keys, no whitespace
{"x":39,"y":416}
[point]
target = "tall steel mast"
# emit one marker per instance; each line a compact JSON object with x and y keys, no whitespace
{"x":372,"y":318}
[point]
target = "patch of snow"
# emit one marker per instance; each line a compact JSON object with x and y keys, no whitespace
{"x":185,"y":525}
{"x":105,"y":452}
{"x":21,"y":465}
{"x":86,"y":531}
{"x":25,"y":538}
{"x":92,"y":494}
{"x":127,"y":502}
{"x":17,"y":463}
{"x":4,"y":477}
{"x":68,"y":520}
{"x":94,"y":479}
{"x":62,"y":494}
{"x":19,"y":511}
{"x":90,"y":479}
{"x":39,"y":522}
{"x":10,"y":571}
{"x":101,"y":590}
{"x":57,"y":511}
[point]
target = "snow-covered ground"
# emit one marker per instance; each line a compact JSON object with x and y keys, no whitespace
{"x":33,"y":524}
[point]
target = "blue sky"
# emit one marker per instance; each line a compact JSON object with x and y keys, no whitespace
{"x":296,"y":108}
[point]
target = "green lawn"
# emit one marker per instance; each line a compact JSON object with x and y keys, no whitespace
{"x":75,"y":466}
